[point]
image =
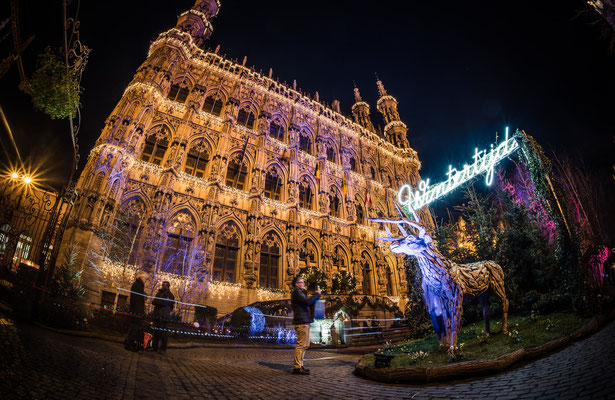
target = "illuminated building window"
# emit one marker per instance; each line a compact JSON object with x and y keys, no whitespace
{"x":276,"y":131}
{"x":236,"y":176}
{"x":305,"y":143}
{"x":4,"y":237}
{"x":245,"y":118}
{"x":177,"y":256}
{"x":178,"y":93}
{"x":156,"y":146}
{"x":305,"y":195}
{"x":126,"y":228}
{"x":22,"y":251}
{"x":330,"y":154}
{"x":273,"y":185}
{"x":213,"y":105}
{"x":226,"y":255}
{"x":107,"y":299}
{"x":269,"y":262}
{"x":197,"y":160}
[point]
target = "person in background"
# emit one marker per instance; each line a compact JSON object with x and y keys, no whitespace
{"x":134,"y":341}
{"x":302,"y":318}
{"x":163,"y":306}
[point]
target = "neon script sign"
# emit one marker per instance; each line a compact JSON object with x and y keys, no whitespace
{"x":484,"y":161}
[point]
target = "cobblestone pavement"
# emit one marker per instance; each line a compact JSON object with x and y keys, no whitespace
{"x":36,"y":363}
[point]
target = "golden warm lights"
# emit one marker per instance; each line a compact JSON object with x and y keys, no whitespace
{"x":16,"y":176}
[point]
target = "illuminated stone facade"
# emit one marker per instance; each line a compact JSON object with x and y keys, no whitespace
{"x":256,"y":177}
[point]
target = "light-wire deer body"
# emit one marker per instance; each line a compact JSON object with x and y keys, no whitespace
{"x":444,"y":282}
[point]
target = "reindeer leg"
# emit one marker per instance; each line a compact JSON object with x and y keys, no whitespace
{"x":483,"y":299}
{"x":498,"y":288}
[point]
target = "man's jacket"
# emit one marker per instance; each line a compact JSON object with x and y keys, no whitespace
{"x":162,"y":307}
{"x":300,"y":304}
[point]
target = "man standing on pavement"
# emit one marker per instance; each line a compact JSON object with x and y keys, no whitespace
{"x":163,"y":305}
{"x":134,"y":341}
{"x":302,"y":318}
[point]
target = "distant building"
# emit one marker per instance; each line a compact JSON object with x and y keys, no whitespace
{"x":215,"y":162}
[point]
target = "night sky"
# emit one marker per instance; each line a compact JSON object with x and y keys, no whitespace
{"x":461,"y":71}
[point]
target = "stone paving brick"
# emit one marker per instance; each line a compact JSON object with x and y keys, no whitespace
{"x":36,"y":363}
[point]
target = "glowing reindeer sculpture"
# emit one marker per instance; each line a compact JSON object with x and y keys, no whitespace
{"x":445,"y":282}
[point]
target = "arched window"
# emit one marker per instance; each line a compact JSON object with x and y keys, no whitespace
{"x":245,"y":118}
{"x":273,"y":184}
{"x":276,"y":131}
{"x":360,"y":212}
{"x":270,"y":262}
{"x":227,"y":249}
{"x":305,"y":143}
{"x":305,"y":195}
{"x":213,"y":105}
{"x":334,"y":204}
{"x":179,"y":92}
{"x":127,"y":230}
{"x":197,"y":160}
{"x":353,"y":164}
{"x":372,"y":171}
{"x":156,"y":146}
{"x":330,"y":154}
{"x":236,"y":174}
{"x":177,"y":253}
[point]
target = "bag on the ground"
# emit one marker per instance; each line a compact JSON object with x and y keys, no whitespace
{"x":147,"y":340}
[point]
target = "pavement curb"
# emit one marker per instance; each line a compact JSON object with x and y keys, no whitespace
{"x":478,"y":368}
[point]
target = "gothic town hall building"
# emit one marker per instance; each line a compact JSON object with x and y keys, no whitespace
{"x":219,"y":175}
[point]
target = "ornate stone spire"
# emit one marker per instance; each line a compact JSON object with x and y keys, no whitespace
{"x":196,"y":21}
{"x":395,"y":130}
{"x":360,"y":111}
{"x":357,"y":95}
{"x":381,"y":90}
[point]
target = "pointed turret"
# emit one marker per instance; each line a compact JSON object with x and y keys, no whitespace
{"x":196,"y":21}
{"x":360,"y":111}
{"x":395,"y":130}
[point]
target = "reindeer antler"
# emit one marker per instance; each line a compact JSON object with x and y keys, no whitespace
{"x":413,"y":224}
{"x":399,"y":222}
{"x":390,"y":221}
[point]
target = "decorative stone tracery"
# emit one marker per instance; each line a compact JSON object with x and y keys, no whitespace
{"x":190,"y":119}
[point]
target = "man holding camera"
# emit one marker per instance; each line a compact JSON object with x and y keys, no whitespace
{"x":303,"y":316}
